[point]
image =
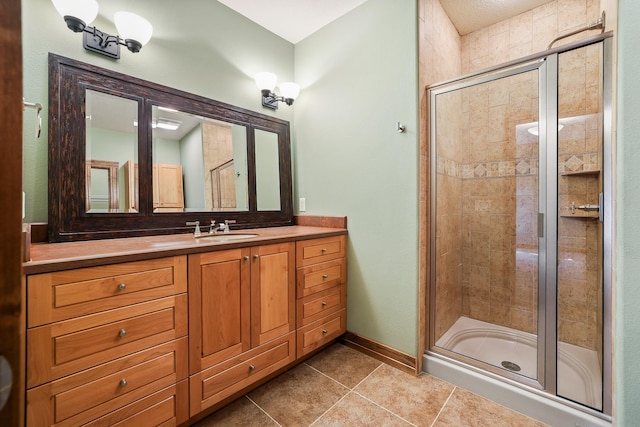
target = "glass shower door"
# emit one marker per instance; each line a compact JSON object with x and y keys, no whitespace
{"x":580,"y":226}
{"x":486,"y":192}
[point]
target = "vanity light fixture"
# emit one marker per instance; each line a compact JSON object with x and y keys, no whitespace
{"x":78,"y":14}
{"x":266,"y":82}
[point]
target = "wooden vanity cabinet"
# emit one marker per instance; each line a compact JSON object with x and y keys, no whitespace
{"x":108,"y":345}
{"x":241,"y":319}
{"x":321,"y":278}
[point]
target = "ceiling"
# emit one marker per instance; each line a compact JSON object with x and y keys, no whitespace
{"x":471,"y":15}
{"x":294,"y":20}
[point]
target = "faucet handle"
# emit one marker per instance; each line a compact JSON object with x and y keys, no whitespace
{"x":197,"y":231}
{"x":226,"y":224}
{"x":212,"y":227}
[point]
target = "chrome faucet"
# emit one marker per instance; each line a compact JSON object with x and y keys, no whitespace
{"x":196,"y":231}
{"x":225,"y":227}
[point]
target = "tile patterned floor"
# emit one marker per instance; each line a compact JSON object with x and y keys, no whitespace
{"x":343,"y":387}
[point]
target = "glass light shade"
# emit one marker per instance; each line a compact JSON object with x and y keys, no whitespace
{"x":134,"y":27}
{"x":289,"y":90}
{"x":86,"y":10}
{"x":266,"y":80}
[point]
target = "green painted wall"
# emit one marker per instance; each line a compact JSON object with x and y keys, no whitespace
{"x":198,"y":46}
{"x":359,"y":77}
{"x":627,"y":287}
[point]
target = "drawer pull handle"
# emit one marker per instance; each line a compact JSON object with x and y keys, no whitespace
{"x":324,"y":250}
{"x":123,"y":383}
{"x":325,"y":276}
{"x":246,"y":258}
{"x":324,"y":303}
{"x":324,"y":331}
{"x":251,"y":367}
{"x":122,"y":286}
{"x":122,"y":332}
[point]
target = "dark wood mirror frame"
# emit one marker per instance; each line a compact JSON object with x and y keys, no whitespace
{"x":68,"y":220}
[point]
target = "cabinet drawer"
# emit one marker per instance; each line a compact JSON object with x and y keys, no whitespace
{"x":62,"y":295}
{"x":73,"y":345}
{"x":318,"y":277}
{"x":167,"y":408}
{"x":321,"y":304}
{"x":93,"y":393}
{"x":321,"y":332}
{"x":218,"y":382}
{"x":319,"y":250}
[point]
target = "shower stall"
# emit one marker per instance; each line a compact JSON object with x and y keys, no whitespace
{"x":521,"y":223}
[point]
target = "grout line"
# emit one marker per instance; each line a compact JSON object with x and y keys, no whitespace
{"x":265,"y":412}
{"x":331,"y":407}
{"x":352,"y":390}
{"x":385,"y":409}
{"x":443,"y":406}
{"x":332,"y":379}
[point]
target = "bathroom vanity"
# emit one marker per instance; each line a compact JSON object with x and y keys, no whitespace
{"x":136,"y":315}
{"x":160,"y":330}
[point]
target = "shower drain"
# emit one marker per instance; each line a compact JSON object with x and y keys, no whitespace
{"x":511,"y":366}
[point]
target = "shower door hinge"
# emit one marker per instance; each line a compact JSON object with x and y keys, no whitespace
{"x":540,"y":224}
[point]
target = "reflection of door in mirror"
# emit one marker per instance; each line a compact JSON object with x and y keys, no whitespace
{"x":131,"y":186}
{"x":112,"y":137}
{"x":217,"y":149}
{"x":102,"y":186}
{"x":267,"y":171}
{"x":223,"y":192}
{"x":167,"y":188}
{"x":200,"y":145}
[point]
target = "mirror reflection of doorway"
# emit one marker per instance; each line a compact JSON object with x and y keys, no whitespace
{"x":102,"y":186}
{"x":223,"y":189}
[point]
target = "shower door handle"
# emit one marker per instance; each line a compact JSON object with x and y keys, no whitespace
{"x":601,"y":210}
{"x":540,"y":225}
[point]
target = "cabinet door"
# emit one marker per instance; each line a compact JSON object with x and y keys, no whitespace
{"x":167,"y":188}
{"x":272,"y":292}
{"x":219,"y":307}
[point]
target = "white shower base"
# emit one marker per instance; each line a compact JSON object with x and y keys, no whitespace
{"x":579,"y":375}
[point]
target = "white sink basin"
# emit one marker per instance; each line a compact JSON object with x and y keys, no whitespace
{"x":225,"y":236}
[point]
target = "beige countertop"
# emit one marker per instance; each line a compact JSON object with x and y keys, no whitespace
{"x":46,"y":257}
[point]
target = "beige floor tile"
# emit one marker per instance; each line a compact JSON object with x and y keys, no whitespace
{"x":416,"y":399}
{"x":344,"y":364}
{"x":299,"y":396}
{"x":356,"y":411}
{"x":241,"y":413}
{"x":467,"y":409}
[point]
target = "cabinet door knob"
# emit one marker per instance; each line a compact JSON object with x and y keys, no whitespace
{"x":256,"y":256}
{"x":122,"y":332}
{"x":123,"y":383}
{"x":246,"y":257}
{"x":122,"y":286}
{"x":324,"y":331}
{"x":251,"y":367}
{"x":324,"y":303}
{"x":324,"y":250}
{"x":325,"y":276}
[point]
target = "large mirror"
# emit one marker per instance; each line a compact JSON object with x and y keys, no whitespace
{"x":129,"y":157}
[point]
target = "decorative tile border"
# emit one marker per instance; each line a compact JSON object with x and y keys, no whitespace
{"x":578,"y":162}
{"x":518,"y":167}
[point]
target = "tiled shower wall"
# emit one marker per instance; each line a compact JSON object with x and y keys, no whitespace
{"x":496,"y":184}
{"x":439,"y":60}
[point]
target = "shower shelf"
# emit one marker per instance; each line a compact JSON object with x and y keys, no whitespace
{"x":581,"y":173}
{"x":581,"y":215}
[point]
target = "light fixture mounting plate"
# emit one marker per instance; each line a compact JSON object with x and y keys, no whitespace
{"x":99,"y":42}
{"x":269,"y":101}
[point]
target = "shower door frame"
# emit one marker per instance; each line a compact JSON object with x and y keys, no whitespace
{"x":547,"y":65}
